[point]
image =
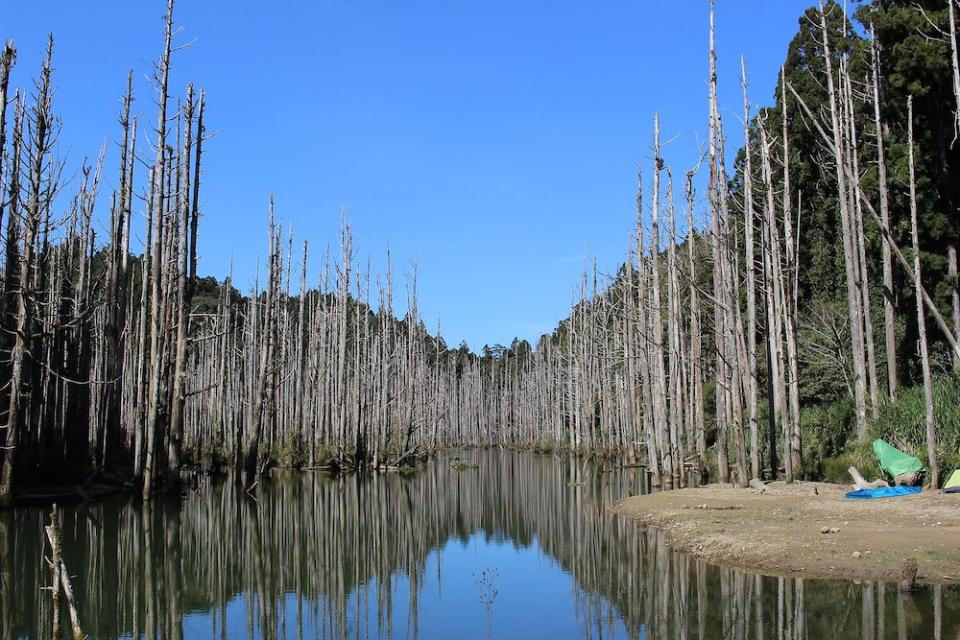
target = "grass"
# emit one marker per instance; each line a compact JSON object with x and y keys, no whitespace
{"x":830,"y":443}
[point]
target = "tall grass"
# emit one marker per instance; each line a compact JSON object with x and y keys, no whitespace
{"x":830,"y":443}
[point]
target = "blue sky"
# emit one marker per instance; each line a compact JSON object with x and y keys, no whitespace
{"x":494,"y":143}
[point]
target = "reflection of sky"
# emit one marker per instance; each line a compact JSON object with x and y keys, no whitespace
{"x":536,"y":599}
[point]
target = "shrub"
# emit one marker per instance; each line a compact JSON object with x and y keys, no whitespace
{"x":825,"y":432}
{"x":902,"y":422}
{"x":830,"y":442}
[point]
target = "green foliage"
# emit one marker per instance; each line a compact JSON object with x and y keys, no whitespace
{"x":291,"y":454}
{"x":825,"y":432}
{"x":459,"y":464}
{"x":325,"y":454}
{"x":902,"y":422}
{"x":830,"y":443}
{"x":835,"y":469}
{"x":546,"y":444}
{"x":710,"y":466}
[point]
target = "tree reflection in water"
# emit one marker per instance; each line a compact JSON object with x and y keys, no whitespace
{"x":380,"y":556}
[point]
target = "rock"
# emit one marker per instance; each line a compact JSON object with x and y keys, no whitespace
{"x":824,"y":529}
{"x":856,"y":554}
{"x":834,"y":530}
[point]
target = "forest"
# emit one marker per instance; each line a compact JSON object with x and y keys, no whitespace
{"x":768,"y":319}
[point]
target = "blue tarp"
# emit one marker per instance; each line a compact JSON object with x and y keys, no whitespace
{"x":883,"y":492}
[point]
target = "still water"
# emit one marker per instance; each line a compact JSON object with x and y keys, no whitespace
{"x":515,"y":546}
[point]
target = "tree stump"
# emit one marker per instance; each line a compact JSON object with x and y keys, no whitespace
{"x":908,"y":578}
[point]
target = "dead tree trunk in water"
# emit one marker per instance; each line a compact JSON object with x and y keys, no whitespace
{"x":646,"y":377}
{"x":61,"y":580}
{"x":157,"y":267}
{"x":656,"y":324}
{"x":40,"y":191}
{"x":182,"y":303}
{"x":677,"y":381}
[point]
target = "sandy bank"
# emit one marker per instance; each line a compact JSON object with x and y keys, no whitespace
{"x":779,"y":531}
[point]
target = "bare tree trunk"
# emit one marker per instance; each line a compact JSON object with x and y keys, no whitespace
{"x":931,"y":306}
{"x":863,"y":281}
{"x":775,"y":308}
{"x":749,"y":268}
{"x":659,"y":381}
{"x":921,"y":320}
{"x":889,"y":315}
{"x":954,"y":296}
{"x":696,"y":348}
{"x":955,"y":63}
{"x":183,"y":302}
{"x":156,"y":206}
{"x":7,"y":60}
{"x":675,"y":347}
{"x":789,"y":280}
{"x":723,"y":467}
{"x":41,"y":145}
{"x":646,"y":379}
{"x":849,"y":248}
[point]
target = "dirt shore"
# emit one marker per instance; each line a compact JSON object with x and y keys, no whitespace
{"x":809,"y":529}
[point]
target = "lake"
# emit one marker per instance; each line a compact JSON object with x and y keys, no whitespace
{"x":500,"y":545}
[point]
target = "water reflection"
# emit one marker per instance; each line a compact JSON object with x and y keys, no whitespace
{"x":394,"y":556}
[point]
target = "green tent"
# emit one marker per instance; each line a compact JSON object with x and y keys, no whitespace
{"x":953,"y":483}
{"x":895,"y":462}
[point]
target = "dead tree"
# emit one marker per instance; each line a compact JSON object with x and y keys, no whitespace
{"x":854,"y":299}
{"x":750,"y":269}
{"x":889,"y":321}
{"x":40,"y":192}
{"x":921,"y":319}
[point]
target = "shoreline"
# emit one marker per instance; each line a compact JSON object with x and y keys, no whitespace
{"x":808,"y":529}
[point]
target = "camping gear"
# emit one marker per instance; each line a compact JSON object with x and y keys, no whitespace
{"x":904,"y":468}
{"x":953,"y":483}
{"x":883,"y":492}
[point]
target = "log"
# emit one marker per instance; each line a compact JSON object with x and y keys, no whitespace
{"x":71,"y":606}
{"x":860,"y":483}
{"x":59,"y":570}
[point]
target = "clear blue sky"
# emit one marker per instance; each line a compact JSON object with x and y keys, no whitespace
{"x":493,"y":142}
